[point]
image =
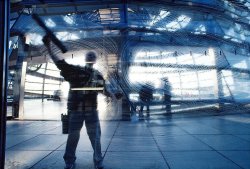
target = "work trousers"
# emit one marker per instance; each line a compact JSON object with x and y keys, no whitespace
{"x":76,"y":121}
{"x":167,"y":102}
{"x":144,"y":103}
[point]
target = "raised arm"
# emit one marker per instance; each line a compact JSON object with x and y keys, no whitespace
{"x":68,"y":71}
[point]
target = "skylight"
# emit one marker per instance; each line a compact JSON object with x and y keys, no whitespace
{"x":34,"y":39}
{"x":50,"y":23}
{"x":163,"y":14}
{"x":64,"y":36}
{"x":181,"y":22}
{"x":200,"y":30}
{"x":109,"y":15}
{"x":69,"y":19}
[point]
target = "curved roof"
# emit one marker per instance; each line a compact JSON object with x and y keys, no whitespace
{"x":181,"y":22}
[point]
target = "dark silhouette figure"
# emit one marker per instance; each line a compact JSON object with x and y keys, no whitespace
{"x":166,"y":89}
{"x":146,"y":96}
{"x":85,"y":84}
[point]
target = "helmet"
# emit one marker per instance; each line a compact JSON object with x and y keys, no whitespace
{"x":90,"y":57}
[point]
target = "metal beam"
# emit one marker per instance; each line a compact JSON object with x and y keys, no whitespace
{"x":19,"y":80}
{"x":56,"y":3}
{"x":4,"y":43}
{"x":191,"y":67}
{"x":44,"y":78}
{"x":183,"y":33}
{"x":41,"y":75}
{"x":218,"y":11}
{"x":192,"y":40}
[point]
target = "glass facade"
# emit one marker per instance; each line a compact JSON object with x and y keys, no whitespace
{"x":201,"y":49}
{"x":177,"y":73}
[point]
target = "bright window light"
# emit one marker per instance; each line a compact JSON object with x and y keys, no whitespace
{"x":34,"y":39}
{"x":226,"y":37}
{"x":50,"y":23}
{"x":200,"y":30}
{"x":77,"y":60}
{"x":161,"y":29}
{"x":241,"y":64}
{"x":230,"y":32}
{"x":236,"y":40}
{"x":65,"y":88}
{"x":64,"y":36}
{"x":145,"y":54}
{"x":181,"y":22}
{"x":141,"y":54}
{"x":10,"y":44}
{"x":242,"y":36}
{"x":69,"y":19}
{"x":163,"y":14}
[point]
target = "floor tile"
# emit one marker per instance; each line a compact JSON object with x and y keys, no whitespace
{"x":13,"y":126}
{"x":35,"y":129}
{"x":224,"y":142}
{"x":55,"y":161}
{"x":187,"y":143}
{"x":180,"y":143}
{"x":123,"y":143}
{"x":23,"y":159}
{"x":239,"y":130}
{"x":200,"y":129}
{"x":240,"y":118}
{"x":198,"y":160}
{"x":41,"y":142}
{"x":134,"y":160}
{"x":245,"y":137}
{"x":132,"y":131}
{"x":85,"y":145}
{"x":167,"y":130}
{"x":242,"y":158}
{"x":12,"y":140}
{"x":57,"y":130}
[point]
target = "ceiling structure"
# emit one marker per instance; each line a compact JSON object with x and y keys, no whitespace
{"x":175,"y":22}
{"x":114,"y":27}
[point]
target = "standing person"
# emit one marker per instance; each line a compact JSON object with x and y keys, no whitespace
{"x":166,"y":88}
{"x":146,"y":96}
{"x":82,"y":105}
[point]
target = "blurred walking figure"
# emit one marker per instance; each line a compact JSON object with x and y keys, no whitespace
{"x":146,"y":96}
{"x":166,"y":90}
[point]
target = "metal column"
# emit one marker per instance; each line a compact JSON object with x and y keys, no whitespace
{"x":19,"y":80}
{"x":219,"y":62}
{"x":44,"y":79}
{"x":126,"y":112}
{"x":4,"y":43}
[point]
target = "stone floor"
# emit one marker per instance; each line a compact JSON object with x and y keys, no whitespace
{"x":205,"y":142}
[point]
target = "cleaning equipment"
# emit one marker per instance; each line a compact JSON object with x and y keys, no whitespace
{"x":48,"y":32}
{"x":59,"y":44}
{"x":65,"y":123}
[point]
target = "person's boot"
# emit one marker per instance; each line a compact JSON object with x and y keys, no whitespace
{"x":98,"y":164}
{"x":70,"y":166}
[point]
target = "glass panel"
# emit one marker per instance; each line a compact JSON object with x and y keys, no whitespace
{"x":155,"y":63}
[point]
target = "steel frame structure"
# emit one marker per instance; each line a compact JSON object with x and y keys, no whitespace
{"x":4,"y":36}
